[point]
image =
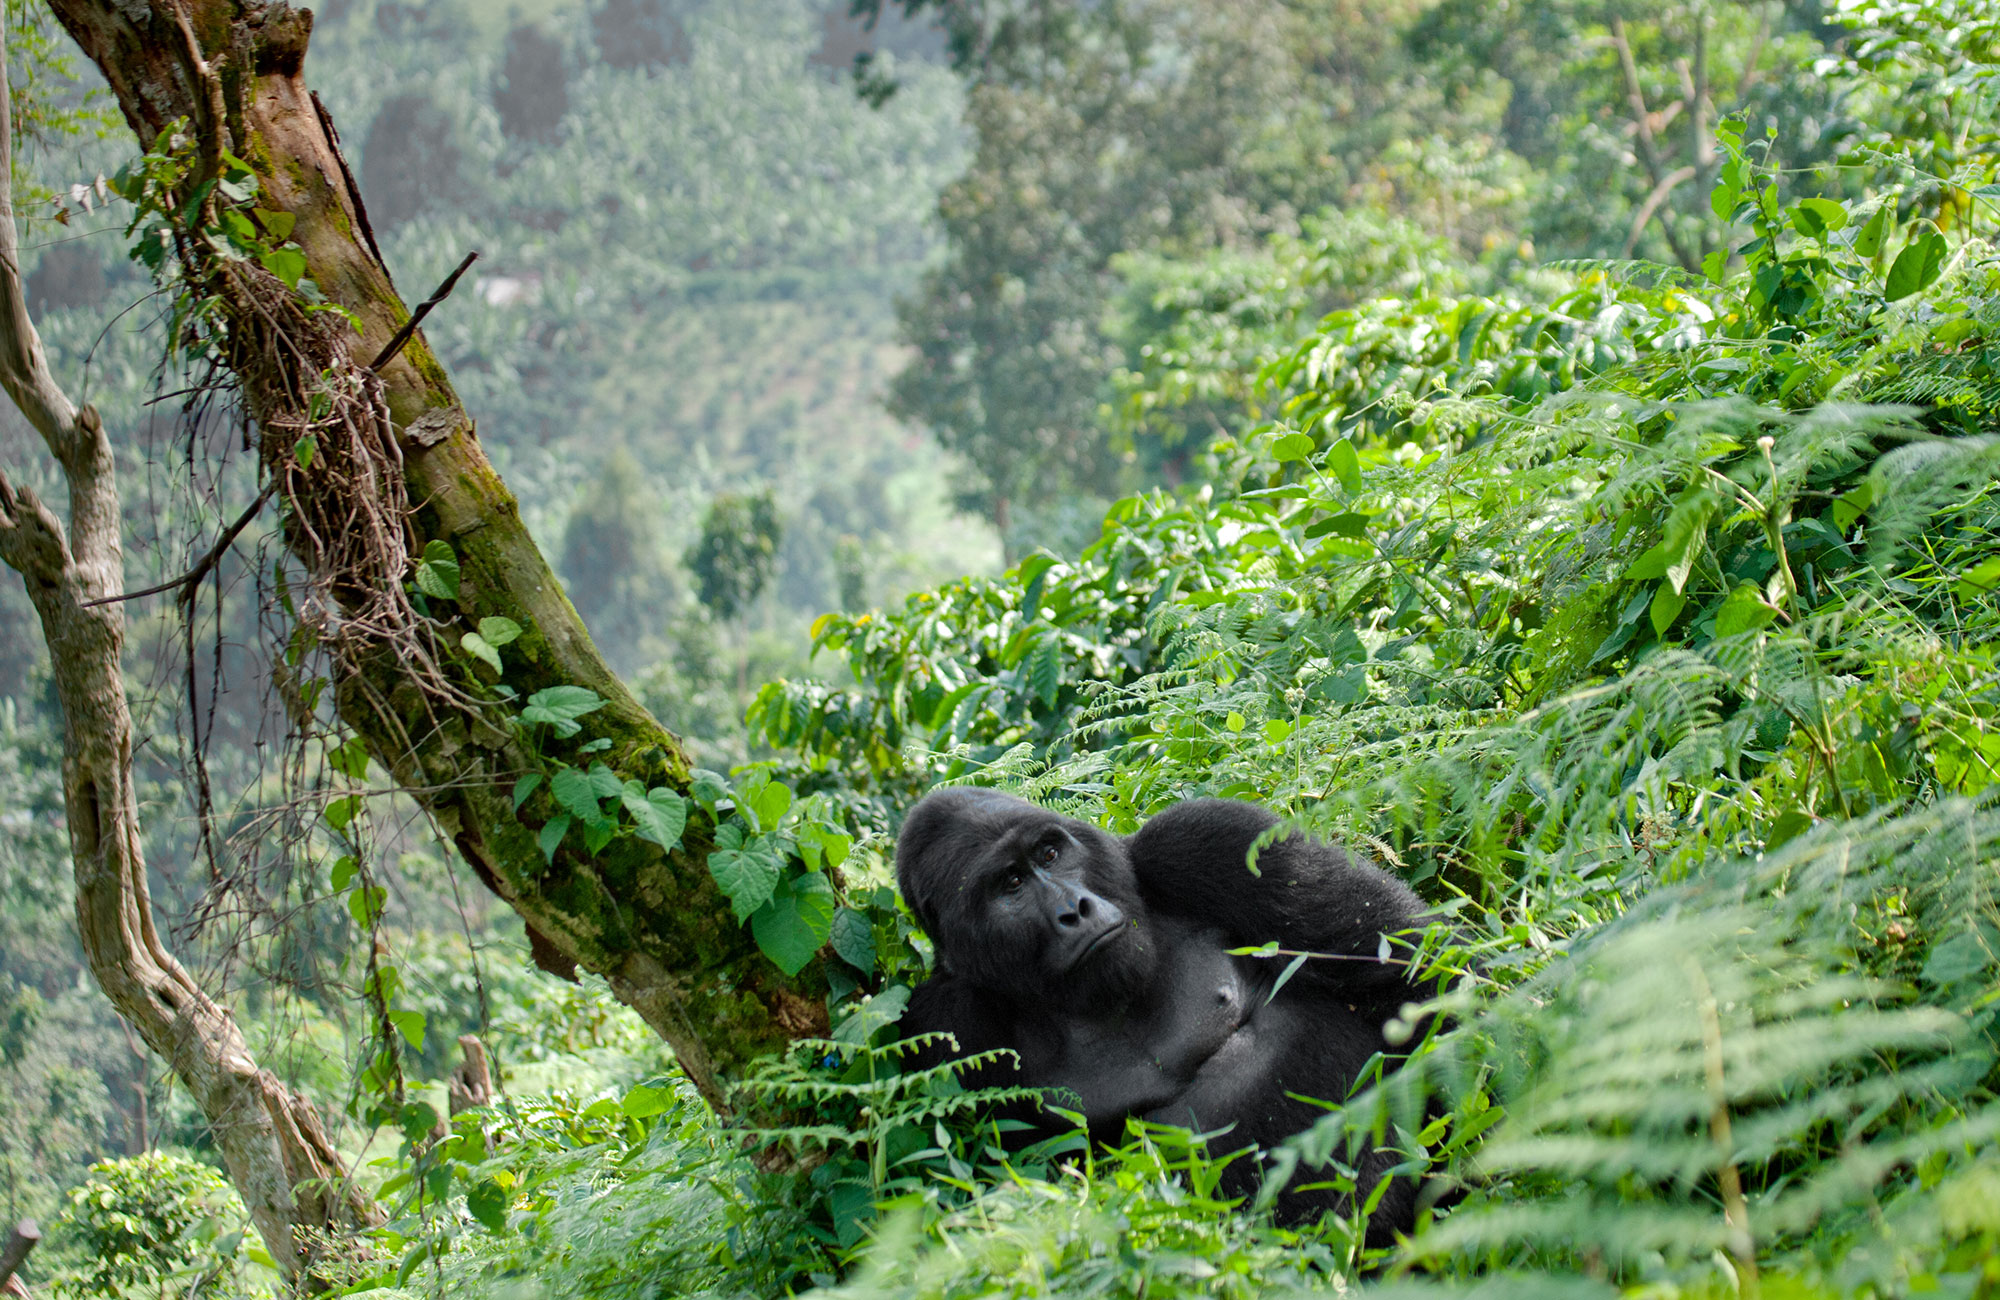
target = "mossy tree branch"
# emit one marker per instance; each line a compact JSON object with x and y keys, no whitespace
{"x":270,"y":1138}
{"x":653,"y":923}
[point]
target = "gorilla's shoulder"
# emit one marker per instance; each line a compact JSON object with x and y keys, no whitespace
{"x":1193,"y":825}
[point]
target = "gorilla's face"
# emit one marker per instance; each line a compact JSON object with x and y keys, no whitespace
{"x":1023,"y":902}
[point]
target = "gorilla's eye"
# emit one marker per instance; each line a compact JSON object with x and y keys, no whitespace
{"x":1046,"y":855}
{"x":1012,"y":881}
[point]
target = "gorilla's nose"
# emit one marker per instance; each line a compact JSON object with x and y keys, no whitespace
{"x":1082,"y":909}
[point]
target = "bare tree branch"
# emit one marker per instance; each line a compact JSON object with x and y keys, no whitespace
{"x":1649,"y":147}
{"x":1652,"y":204}
{"x":398,"y":468}
{"x":271,"y":1140}
{"x":1701,"y":144}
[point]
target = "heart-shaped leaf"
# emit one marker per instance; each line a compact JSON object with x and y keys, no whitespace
{"x":660,"y":815}
{"x":747,"y":876}
{"x":437,"y":572}
{"x":796,"y":922}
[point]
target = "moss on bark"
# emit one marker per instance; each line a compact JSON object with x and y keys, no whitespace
{"x":653,"y":923}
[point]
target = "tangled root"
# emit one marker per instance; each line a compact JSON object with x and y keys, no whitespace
{"x":331,"y":448}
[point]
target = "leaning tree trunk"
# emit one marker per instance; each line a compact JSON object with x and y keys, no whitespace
{"x":652,"y":922}
{"x":291,"y":1179}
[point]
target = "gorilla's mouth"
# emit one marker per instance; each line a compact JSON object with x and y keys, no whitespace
{"x":1101,"y":939}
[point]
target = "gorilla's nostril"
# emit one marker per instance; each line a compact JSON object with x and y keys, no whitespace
{"x":1069,"y":919}
{"x":1083,"y":907}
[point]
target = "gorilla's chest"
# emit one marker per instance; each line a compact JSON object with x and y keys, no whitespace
{"x":1203,"y":1016}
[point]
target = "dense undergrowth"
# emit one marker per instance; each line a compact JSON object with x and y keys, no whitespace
{"x":1645,"y":622}
{"x":1648,"y":626}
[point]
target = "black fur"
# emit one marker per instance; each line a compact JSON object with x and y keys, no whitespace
{"x":1104,"y":963}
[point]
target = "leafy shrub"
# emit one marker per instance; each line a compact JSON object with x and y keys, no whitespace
{"x":1647,"y":624}
{"x":160,"y":1224}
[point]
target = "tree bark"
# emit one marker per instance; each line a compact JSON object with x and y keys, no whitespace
{"x":653,"y":923}
{"x":270,"y":1138}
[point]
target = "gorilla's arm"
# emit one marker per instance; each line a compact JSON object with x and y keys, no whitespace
{"x":946,"y":1004}
{"x":1191,"y":861}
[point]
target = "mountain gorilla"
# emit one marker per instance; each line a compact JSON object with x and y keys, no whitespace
{"x":1103,"y":962}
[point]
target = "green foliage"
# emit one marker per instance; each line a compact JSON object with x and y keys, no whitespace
{"x":159,"y":1224}
{"x":184,"y":210}
{"x":1646,"y":622}
{"x":1102,"y":130}
{"x":1145,"y":1220}
{"x":618,"y":1195}
{"x":1195,"y":333}
{"x":1640,"y":612}
{"x":732,"y":561}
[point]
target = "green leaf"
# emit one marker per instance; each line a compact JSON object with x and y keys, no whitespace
{"x":437,"y":572}
{"x":551,"y":837}
{"x":288,"y":264}
{"x":1869,"y":241}
{"x":1979,"y":580}
{"x":605,"y":782}
{"x":1815,"y":218}
{"x":1034,"y":573}
{"x":478,"y":646}
{"x":796,"y":922}
{"x":417,"y":1119}
{"x":1345,"y":463}
{"x":1351,"y":524}
{"x":277,"y":225}
{"x":1045,"y":669}
{"x":644,"y":1102}
{"x":558,"y":707}
{"x":1293,"y":446}
{"x":1960,"y":957}
{"x":1628,"y":623}
{"x":365,"y":905}
{"x":304,"y":450}
{"x":1666,"y":607}
{"x":1729,"y":185}
{"x":1918,"y":266}
{"x":1850,"y":507}
{"x":597,"y":834}
{"x":766,"y":804}
{"x":345,"y":867}
{"x":1743,"y":611}
{"x":410,"y":1024}
{"x":660,"y":815}
{"x":854,"y":939}
{"x":487,"y":1202}
{"x":524,"y":787}
{"x":414,"y":1260}
{"x":573,"y":790}
{"x":1652,"y":563}
{"x":747,"y":876}
{"x":341,"y":812}
{"x":707,"y":788}
{"x":1712,"y":266}
{"x":499,"y":631}
{"x":349,"y":759}
{"x":1292,"y":968}
{"x":877,"y":1013}
{"x":822,"y":843}
{"x":1686,"y":529}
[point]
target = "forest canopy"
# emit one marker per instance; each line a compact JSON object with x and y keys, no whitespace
{"x":1551,"y":448}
